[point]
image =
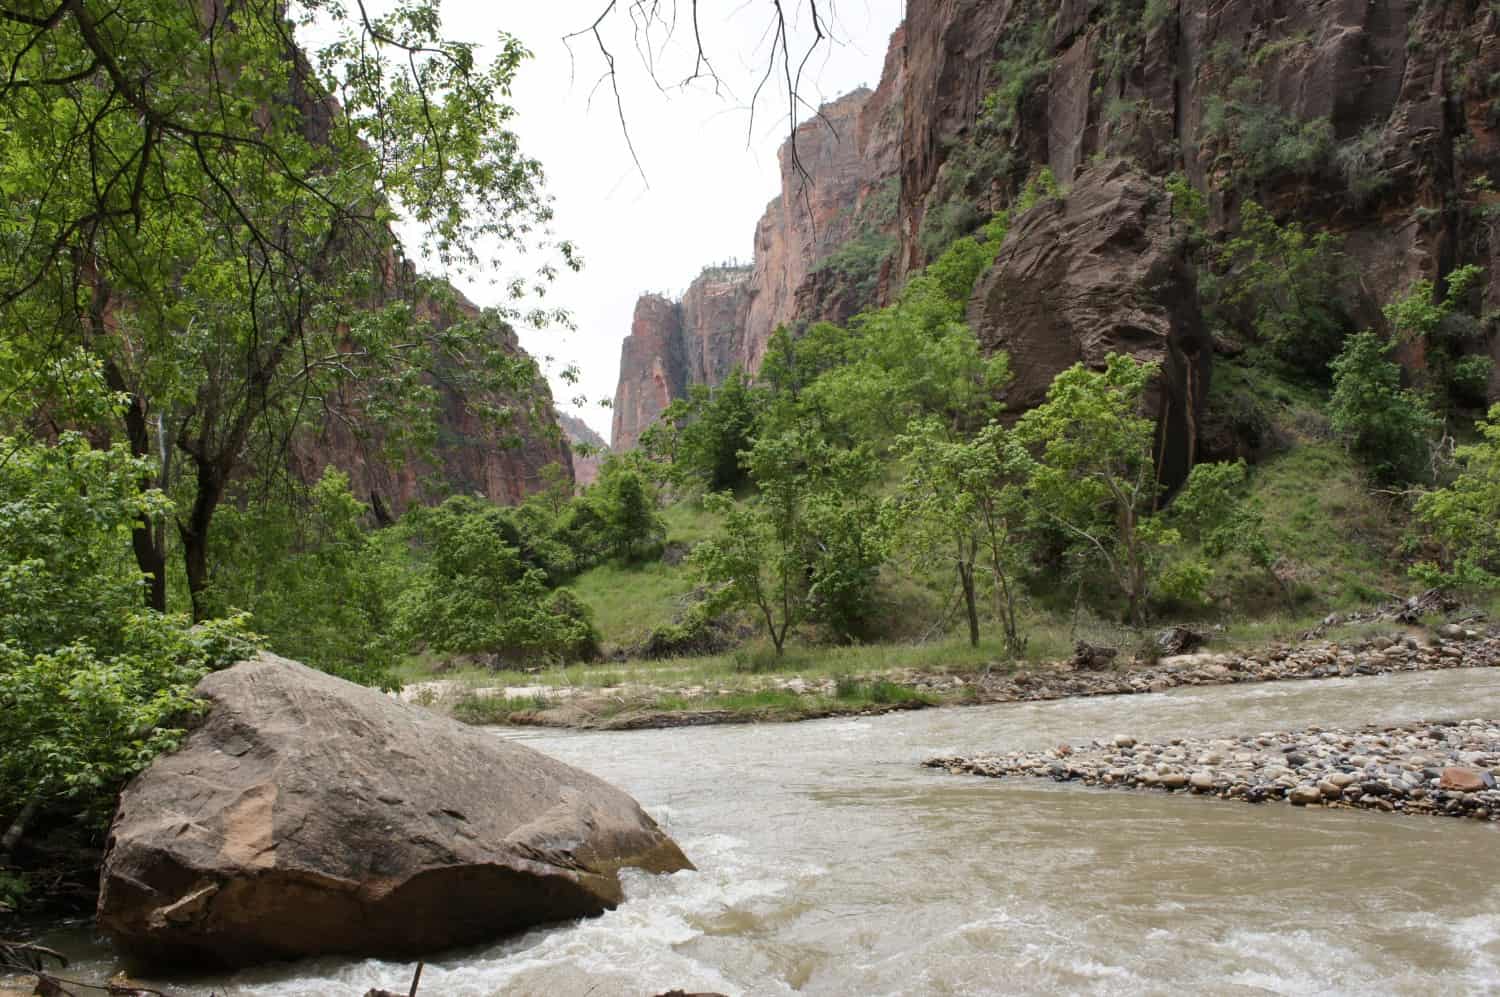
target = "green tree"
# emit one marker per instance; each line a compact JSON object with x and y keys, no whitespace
{"x":1449,"y":334}
{"x":769,"y":556}
{"x":1212,"y":509}
{"x":624,"y":506}
{"x":960,"y":501}
{"x":716,"y":425}
{"x":1463,"y":518}
{"x":92,"y":685}
{"x":1386,"y":426}
{"x":186,"y":201}
{"x":473,"y":594}
{"x":315,"y":581}
{"x":1285,"y":283}
{"x":1093,"y":477}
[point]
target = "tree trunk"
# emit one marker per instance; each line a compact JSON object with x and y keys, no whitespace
{"x":17,"y":828}
{"x":966,"y":579}
{"x":146,"y":540}
{"x":194,"y":533}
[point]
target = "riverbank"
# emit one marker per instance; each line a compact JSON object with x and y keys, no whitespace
{"x":630,"y":706}
{"x":1442,"y":768}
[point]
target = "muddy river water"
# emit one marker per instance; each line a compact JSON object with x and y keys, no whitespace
{"x":830,"y":862}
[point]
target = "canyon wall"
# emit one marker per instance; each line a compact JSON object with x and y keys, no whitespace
{"x":838,"y":193}
{"x":579,"y":433}
{"x":1376,"y":120}
{"x":492,"y":444}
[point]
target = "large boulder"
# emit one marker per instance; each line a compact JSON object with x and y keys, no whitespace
{"x":308,"y":815}
{"x":1101,"y":270}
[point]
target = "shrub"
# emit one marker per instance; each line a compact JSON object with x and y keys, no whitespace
{"x":1464,"y":517}
{"x":1385,"y":425}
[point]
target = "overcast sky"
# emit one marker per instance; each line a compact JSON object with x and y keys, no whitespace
{"x":707,"y":178}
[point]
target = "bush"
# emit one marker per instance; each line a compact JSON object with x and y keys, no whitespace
{"x":1284,"y":283}
{"x":1387,"y":427}
{"x":92,"y":684}
{"x":1464,"y":517}
{"x":474,"y":595}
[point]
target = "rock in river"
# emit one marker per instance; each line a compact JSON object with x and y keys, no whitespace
{"x":307,"y":815}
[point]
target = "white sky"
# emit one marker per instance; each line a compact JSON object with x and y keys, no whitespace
{"x":709,"y":176}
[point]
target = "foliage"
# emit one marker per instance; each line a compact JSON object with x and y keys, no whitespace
{"x":960,"y":502}
{"x":1092,"y":475}
{"x":92,"y":686}
{"x":773,"y":556}
{"x":1263,"y":143}
{"x":473,"y":594}
{"x":1463,"y":518}
{"x":1212,"y":510}
{"x":233,"y":271}
{"x":624,"y":506}
{"x":916,"y":356}
{"x":313,"y":578}
{"x":1386,"y":426}
{"x":1448,"y":333}
{"x":708,"y":431}
{"x":1285,"y":282}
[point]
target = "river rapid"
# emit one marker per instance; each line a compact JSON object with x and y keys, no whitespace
{"x":830,"y":862}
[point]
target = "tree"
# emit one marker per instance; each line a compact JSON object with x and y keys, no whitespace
{"x":1211,"y":509}
{"x":1285,"y":282}
{"x":624,"y":505}
{"x":189,"y":204}
{"x":1449,"y":335}
{"x":316,"y":582}
{"x":1463,"y":518}
{"x":768,"y":556}
{"x":716,"y":426}
{"x":475,"y":595}
{"x":92,"y":686}
{"x":1385,"y":425}
{"x":960,"y":502}
{"x":1093,"y":476}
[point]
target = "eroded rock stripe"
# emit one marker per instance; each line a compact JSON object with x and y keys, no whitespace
{"x":1445,"y":768}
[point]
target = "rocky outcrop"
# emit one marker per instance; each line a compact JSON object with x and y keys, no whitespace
{"x":1375,"y":120}
{"x":307,"y":815}
{"x":1097,"y":272}
{"x":1378,"y":121}
{"x":652,"y":369}
{"x":581,"y":434}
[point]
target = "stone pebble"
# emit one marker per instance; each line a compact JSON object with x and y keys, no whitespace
{"x":1383,"y":655}
{"x":1446,"y":768}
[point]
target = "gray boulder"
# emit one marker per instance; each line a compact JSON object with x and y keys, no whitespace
{"x":307,"y":815}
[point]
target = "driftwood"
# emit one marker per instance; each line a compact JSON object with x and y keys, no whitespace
{"x":416,"y":979}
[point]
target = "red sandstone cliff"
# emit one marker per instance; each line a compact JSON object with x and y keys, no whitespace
{"x":838,"y":186}
{"x":580,"y":433}
{"x":1378,"y":120}
{"x":491,"y":445}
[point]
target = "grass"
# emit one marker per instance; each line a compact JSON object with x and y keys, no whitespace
{"x":1336,"y":538}
{"x":629,"y":602}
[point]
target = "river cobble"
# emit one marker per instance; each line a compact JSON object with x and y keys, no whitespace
{"x":1444,"y":768}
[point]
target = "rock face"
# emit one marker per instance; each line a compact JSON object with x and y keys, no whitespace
{"x":307,"y":815}
{"x":838,"y":181}
{"x":1377,"y":120}
{"x":1095,"y":273}
{"x":585,"y":467}
{"x":472,"y":455}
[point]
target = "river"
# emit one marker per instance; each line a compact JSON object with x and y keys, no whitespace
{"x":830,"y":862}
